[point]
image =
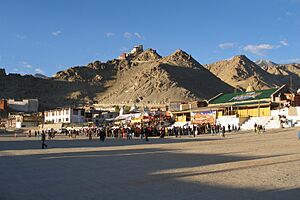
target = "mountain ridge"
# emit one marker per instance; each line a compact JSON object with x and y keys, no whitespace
{"x":144,"y":77}
{"x":141,"y":77}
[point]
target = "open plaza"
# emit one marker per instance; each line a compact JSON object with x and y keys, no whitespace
{"x":243,"y":165}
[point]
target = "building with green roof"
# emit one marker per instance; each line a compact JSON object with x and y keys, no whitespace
{"x":249,"y":104}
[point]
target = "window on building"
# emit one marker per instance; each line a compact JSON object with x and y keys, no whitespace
{"x":67,"y":112}
{"x":67,"y":119}
{"x":59,"y":120}
{"x":82,"y":113}
{"x":52,"y":113}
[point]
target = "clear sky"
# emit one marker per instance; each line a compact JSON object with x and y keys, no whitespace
{"x":46,"y":36}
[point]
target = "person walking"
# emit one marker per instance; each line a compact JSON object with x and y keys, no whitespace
{"x":43,"y":140}
{"x":223,"y":131}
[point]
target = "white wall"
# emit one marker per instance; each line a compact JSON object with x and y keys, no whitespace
{"x":225,"y":120}
{"x":54,"y":116}
{"x":284,"y":111}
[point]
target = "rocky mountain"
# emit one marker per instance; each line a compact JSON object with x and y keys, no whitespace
{"x":175,"y":77}
{"x":144,"y":77}
{"x":265,"y":63}
{"x":148,"y":55}
{"x":38,"y":75}
{"x":287,"y":73}
{"x":50,"y":92}
{"x":292,"y":69}
{"x":140,"y":78}
{"x":240,"y":71}
{"x":284,"y":69}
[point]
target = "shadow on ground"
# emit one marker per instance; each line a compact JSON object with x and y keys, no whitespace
{"x":36,"y":143}
{"x":119,"y":174}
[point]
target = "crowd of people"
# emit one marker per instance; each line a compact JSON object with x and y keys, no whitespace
{"x":133,"y":131}
{"x":140,"y":131}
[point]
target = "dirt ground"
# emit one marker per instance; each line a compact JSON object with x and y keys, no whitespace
{"x":239,"y":166}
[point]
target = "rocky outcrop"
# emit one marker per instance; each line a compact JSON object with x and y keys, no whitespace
{"x":148,"y":55}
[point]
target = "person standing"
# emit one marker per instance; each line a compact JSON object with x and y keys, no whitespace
{"x":102,"y":134}
{"x":175,"y":131}
{"x":146,"y":135}
{"x":229,"y":127}
{"x":255,"y":127}
{"x":43,"y":140}
{"x":90,"y":135}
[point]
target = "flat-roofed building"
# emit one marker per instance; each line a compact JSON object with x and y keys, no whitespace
{"x":65,"y":115}
{"x":25,"y":105}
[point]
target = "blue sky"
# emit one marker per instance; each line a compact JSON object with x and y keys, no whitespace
{"x":46,"y":36}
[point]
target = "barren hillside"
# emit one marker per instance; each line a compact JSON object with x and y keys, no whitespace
{"x":142,"y":78}
{"x":175,"y":77}
{"x":239,"y":72}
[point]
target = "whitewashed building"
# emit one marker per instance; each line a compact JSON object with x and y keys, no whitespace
{"x":65,"y":115}
{"x":26,"y":105}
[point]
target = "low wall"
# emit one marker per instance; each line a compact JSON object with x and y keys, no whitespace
{"x":50,"y":126}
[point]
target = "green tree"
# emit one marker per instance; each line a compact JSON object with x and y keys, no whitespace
{"x":117,"y":108}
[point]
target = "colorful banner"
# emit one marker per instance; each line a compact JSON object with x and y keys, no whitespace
{"x":204,"y":117}
{"x":247,"y":96}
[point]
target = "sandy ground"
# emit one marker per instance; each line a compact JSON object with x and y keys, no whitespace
{"x":241,"y":166}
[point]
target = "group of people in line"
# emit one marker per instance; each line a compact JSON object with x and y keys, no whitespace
{"x":37,"y":133}
{"x":129,"y":132}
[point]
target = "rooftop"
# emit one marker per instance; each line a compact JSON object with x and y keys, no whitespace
{"x":243,"y":96}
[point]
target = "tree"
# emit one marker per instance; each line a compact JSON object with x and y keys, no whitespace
{"x":117,"y":108}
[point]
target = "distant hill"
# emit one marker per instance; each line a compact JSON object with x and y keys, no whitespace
{"x":37,"y":75}
{"x":240,"y":71}
{"x":265,"y":63}
{"x":142,"y":78}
